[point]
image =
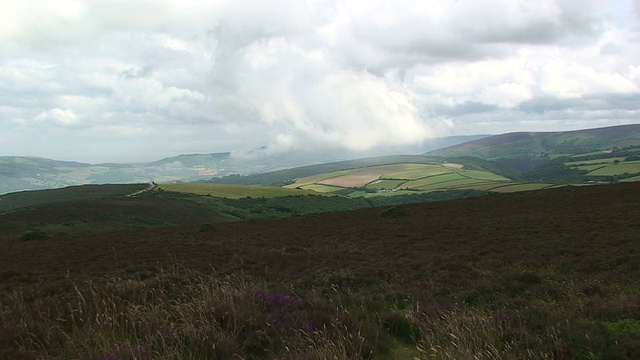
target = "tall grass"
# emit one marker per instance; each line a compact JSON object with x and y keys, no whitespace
{"x":179,"y":314}
{"x":478,"y":335}
{"x":184,"y":314}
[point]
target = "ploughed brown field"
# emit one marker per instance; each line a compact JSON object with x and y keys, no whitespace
{"x":559,"y":268}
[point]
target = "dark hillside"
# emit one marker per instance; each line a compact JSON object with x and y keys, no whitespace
{"x":540,"y":274}
{"x":24,"y":199}
{"x":89,"y":209}
{"x":524,"y":228}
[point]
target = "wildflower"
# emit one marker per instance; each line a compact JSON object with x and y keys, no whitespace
{"x":281,"y":299}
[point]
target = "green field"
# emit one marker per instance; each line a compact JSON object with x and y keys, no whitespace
{"x":388,"y":180}
{"x":385,"y":184}
{"x":607,"y":167}
{"x":234,"y":191}
{"x":413,"y":177}
{"x":485,"y":186}
{"x":433,"y":180}
{"x":321,"y":188}
{"x":590,"y":168}
{"x":419,"y":171}
{"x":599,"y":152}
{"x":593,"y":162}
{"x":453,"y":184}
{"x":318,"y":178}
{"x":482,"y":175}
{"x":630,"y":167}
{"x":522,"y":187}
{"x":359,"y":193}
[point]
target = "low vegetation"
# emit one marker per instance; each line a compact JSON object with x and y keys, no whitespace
{"x":353,"y":260}
{"x":234,"y":191}
{"x":548,"y":274}
{"x":85,"y":210}
{"x":25,"y":199}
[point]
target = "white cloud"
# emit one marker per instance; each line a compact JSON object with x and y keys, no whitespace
{"x":66,"y":118}
{"x":227,"y":75}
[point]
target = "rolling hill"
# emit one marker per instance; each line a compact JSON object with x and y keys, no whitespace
{"x":32,"y":173}
{"x":90,"y":209}
{"x":546,"y":144}
{"x":90,"y":272}
{"x":407,"y":178}
{"x":543,"y":159}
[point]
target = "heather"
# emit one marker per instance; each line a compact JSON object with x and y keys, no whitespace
{"x":539,"y":275}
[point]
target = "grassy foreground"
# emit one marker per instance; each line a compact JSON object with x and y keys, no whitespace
{"x":539,"y":275}
{"x":184,"y":314}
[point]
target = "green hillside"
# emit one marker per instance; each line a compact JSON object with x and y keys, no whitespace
{"x":89,"y":209}
{"x":546,"y":144}
{"x":573,"y":157}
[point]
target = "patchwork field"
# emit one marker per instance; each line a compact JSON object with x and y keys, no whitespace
{"x":626,"y":167}
{"x":363,"y":176}
{"x":613,"y":166}
{"x":401,"y":179}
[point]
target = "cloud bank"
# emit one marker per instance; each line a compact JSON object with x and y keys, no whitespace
{"x":130,"y":81}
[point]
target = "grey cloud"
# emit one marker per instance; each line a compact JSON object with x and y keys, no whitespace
{"x":589,"y":102}
{"x":610,"y":49}
{"x":227,"y":75}
{"x":467,"y":31}
{"x":468,"y":107}
{"x":544,"y":104}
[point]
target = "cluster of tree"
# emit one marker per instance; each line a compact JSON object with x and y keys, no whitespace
{"x":556,"y":172}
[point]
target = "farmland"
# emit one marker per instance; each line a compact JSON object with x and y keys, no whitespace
{"x":400,"y":179}
{"x":608,"y":166}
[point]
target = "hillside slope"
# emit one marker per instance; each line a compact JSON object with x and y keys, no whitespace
{"x":546,"y":143}
{"x":535,"y":275}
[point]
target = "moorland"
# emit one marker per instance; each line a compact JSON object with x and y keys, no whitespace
{"x":516,"y":246}
{"x":545,"y":274}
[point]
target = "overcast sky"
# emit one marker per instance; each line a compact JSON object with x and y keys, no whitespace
{"x":128,"y":81}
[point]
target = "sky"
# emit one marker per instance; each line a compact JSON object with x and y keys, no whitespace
{"x":139,"y":80}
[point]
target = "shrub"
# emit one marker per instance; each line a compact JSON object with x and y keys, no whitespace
{"x":393,"y":212}
{"x":33,"y":235}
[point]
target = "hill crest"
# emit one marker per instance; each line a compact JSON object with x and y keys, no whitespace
{"x":546,"y":143}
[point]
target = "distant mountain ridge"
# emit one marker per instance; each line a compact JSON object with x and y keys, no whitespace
{"x":540,"y":157}
{"x":33,"y":173}
{"x":509,"y":154}
{"x":545,"y":143}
